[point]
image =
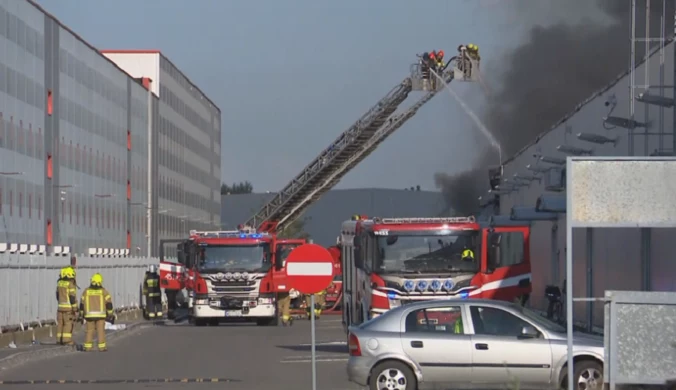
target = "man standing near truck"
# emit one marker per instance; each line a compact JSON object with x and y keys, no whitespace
{"x":153,"y":293}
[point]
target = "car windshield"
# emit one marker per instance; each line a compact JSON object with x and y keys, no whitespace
{"x":541,"y":321}
{"x":234,"y":258}
{"x":428,"y":252}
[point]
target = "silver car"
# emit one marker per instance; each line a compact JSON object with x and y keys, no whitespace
{"x":468,"y":343}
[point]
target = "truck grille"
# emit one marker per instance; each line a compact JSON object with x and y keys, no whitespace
{"x":240,"y":289}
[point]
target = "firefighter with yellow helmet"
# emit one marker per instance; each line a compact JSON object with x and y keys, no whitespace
{"x":67,"y":311}
{"x":97,"y":307}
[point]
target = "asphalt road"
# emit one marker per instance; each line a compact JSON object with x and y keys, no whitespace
{"x":250,"y":357}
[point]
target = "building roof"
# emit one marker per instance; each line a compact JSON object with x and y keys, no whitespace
{"x":577,"y":108}
{"x":155,"y":51}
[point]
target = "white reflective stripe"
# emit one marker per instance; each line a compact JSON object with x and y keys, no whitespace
{"x":309,"y":269}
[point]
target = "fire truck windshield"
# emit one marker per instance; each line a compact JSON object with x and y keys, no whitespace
{"x":283,"y":251}
{"x":427,"y":252}
{"x":234,"y":258}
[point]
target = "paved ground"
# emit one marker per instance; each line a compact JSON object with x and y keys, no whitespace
{"x":47,"y":343}
{"x":252,"y":357}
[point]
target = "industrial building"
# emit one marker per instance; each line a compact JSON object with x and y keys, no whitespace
{"x":77,"y":174}
{"x":609,"y":123}
{"x":323,"y":219}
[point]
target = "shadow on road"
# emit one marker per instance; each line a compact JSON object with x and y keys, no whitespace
{"x":328,"y":348}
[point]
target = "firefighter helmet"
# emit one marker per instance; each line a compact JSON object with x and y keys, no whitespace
{"x":97,"y":280}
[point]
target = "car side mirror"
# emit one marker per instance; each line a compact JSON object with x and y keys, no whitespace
{"x":529,"y":332}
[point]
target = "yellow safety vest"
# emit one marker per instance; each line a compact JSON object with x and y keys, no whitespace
{"x":66,"y":295}
{"x":468,"y":253}
{"x":96,"y":303}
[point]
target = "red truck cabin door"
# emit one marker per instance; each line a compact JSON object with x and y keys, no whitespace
{"x":505,"y":263}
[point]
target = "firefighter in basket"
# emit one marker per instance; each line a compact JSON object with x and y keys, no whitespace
{"x":320,"y":301}
{"x":66,"y":297}
{"x":152,"y":293}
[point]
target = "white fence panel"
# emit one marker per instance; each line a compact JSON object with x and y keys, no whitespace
{"x":29,"y":284}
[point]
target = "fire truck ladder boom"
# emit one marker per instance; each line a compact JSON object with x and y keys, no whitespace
{"x":358,"y":142}
{"x":280,"y":207}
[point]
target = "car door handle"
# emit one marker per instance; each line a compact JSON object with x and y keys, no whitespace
{"x":416,"y":344}
{"x":481,"y":346}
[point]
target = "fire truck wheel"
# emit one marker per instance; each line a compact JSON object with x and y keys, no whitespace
{"x":199,"y":321}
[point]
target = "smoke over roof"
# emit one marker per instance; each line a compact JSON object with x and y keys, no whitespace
{"x":545,"y":77}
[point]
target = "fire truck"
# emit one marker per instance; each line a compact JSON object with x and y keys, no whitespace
{"x":344,"y":153}
{"x":232,"y":275}
{"x":334,"y":294}
{"x":389,"y":262}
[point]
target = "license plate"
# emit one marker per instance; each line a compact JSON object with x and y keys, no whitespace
{"x":233,"y":313}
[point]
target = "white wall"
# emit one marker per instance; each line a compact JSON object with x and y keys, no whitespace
{"x":616,"y":254}
{"x":139,"y":64}
{"x":29,"y":283}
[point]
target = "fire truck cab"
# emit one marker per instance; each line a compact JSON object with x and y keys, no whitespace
{"x":388,"y":262}
{"x":233,"y":276}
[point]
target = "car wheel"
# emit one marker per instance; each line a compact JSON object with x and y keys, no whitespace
{"x":588,"y":375}
{"x":392,"y":375}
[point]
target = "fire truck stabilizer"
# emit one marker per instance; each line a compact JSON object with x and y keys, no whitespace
{"x":232,"y":277}
{"x":430,"y":258}
{"x":357,"y":142}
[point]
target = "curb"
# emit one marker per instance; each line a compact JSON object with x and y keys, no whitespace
{"x":18,"y":358}
{"x":47,"y":331}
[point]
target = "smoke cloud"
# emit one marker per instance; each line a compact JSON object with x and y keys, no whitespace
{"x":545,"y":77}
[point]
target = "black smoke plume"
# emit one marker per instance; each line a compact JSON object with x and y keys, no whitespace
{"x":545,"y":77}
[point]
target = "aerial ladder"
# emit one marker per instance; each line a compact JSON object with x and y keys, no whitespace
{"x":359,"y":141}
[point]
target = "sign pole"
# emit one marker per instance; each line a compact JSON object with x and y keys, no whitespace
{"x":312,"y":342}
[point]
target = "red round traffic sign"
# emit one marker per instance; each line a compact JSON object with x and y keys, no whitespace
{"x":309,"y":268}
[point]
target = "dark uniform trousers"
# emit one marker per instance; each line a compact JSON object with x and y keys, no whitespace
{"x":67,"y":307}
{"x":153,"y":293}
{"x":96,"y":306}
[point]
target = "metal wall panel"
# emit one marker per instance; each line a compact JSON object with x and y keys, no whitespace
{"x":615,"y":254}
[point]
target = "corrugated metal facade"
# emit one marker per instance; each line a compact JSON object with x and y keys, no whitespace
{"x":615,"y":259}
{"x":74,"y":133}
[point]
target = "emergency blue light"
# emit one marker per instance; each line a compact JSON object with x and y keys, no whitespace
{"x":464,"y":295}
{"x":436,"y":285}
{"x":391,"y":295}
{"x":422,"y":285}
{"x":242,"y":236}
{"x":409,"y":285}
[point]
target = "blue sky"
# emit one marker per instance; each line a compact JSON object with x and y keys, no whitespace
{"x":290,"y":76}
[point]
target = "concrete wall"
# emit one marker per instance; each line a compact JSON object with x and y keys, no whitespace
{"x":603,"y":259}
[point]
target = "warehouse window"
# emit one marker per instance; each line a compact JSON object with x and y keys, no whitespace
{"x":11,"y":203}
{"x":63,"y":210}
{"x":30,"y":206}
{"x":49,"y":166}
{"x":70,"y":212}
{"x":20,"y":204}
{"x":49,"y":232}
{"x":39,"y":205}
{"x":128,"y":140}
{"x":50,"y":103}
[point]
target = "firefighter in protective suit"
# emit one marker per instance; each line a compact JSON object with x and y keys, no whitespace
{"x":152,"y":293}
{"x":96,"y":306}
{"x":67,"y":312}
{"x":320,"y":300}
{"x":284,"y":308}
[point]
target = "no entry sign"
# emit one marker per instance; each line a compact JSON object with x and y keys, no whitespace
{"x":309,"y":268}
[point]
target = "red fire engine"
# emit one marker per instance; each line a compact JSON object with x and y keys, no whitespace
{"x":388,"y":262}
{"x":334,"y":294}
{"x":332,"y":164}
